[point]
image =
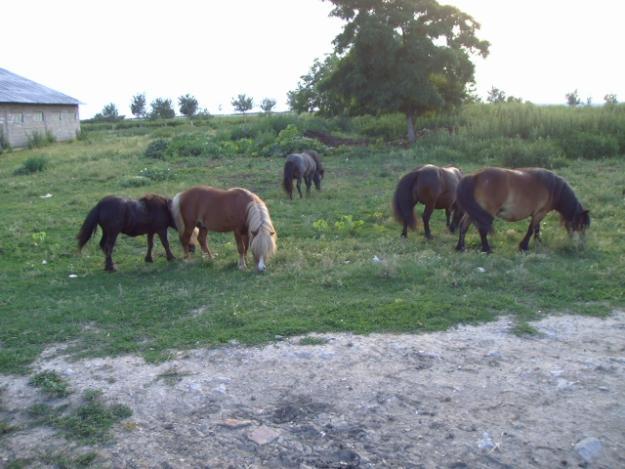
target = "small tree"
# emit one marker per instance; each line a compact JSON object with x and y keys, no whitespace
{"x":188,"y":105}
{"x":109,"y":113}
{"x":267,"y":105}
{"x":572,"y":99}
{"x":137,"y":106}
{"x":495,"y":95}
{"x":162,"y":109}
{"x":242,"y":103}
{"x":610,"y":100}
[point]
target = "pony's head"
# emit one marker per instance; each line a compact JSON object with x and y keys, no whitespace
{"x":579,"y":222}
{"x":262,"y":234}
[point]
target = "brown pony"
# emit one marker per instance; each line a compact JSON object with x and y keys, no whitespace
{"x":306,"y":165}
{"x":515,"y":194}
{"x":435,"y":188}
{"x":237,"y":210}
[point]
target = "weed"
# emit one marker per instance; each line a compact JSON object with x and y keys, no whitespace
{"x":50,"y":383}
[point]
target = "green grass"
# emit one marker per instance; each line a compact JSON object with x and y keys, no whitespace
{"x":51,"y":383}
{"x":313,"y":341}
{"x":323,"y":278}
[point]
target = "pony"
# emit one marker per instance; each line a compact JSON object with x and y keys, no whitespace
{"x":305,"y":165}
{"x":516,"y":194}
{"x":237,"y":210}
{"x":434,"y":187}
{"x":147,"y":215}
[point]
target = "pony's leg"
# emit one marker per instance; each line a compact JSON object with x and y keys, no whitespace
{"x":109,"y":265}
{"x":317,"y":181}
{"x":483,"y":236}
{"x":427,"y":213}
{"x":242,"y":248}
{"x":524,"y":244}
{"x":203,"y":234}
{"x":447,"y":216}
{"x":537,"y":233}
{"x":308,"y":181}
{"x":162,"y":235}
{"x":185,"y":238}
{"x":404,"y":232}
{"x":148,"y":256}
{"x":299,"y":186}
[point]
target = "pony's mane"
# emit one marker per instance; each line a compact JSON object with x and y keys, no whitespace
{"x":259,"y":222}
{"x":564,"y":199}
{"x":315,"y":156}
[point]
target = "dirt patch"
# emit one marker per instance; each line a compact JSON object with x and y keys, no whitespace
{"x":469,"y":397}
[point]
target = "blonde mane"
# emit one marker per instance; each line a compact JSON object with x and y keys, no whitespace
{"x":260,"y":228}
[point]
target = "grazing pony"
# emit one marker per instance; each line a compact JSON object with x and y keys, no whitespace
{"x":515,"y":194}
{"x":148,"y":215}
{"x":305,"y":165}
{"x":237,"y":210}
{"x":435,"y":188}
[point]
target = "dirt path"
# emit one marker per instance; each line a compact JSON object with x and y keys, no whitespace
{"x":471,"y":397}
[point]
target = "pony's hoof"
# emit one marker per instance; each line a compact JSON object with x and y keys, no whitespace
{"x":110,"y":268}
{"x":171,"y":258}
{"x":149,"y":259}
{"x":429,"y":237}
{"x":459,"y":248}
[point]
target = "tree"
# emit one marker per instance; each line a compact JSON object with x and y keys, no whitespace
{"x":109,"y":113}
{"x":137,"y":106}
{"x":309,"y":97}
{"x":572,"y":99}
{"x":610,"y":100}
{"x":188,"y":105}
{"x":162,"y":109}
{"x":495,"y":95}
{"x":242,"y":103}
{"x":408,"y":56}
{"x":267,"y":105}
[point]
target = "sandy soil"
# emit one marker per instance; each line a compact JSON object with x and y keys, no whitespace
{"x":471,"y":397}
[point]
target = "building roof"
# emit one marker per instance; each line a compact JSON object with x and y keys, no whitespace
{"x":15,"y":89}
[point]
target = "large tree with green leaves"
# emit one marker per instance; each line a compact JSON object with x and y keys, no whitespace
{"x":409,"y":56}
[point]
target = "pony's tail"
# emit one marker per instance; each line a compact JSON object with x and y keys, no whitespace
{"x":175,"y":213}
{"x":261,"y":230}
{"x":465,"y":198}
{"x":403,"y":203}
{"x":88,"y":227}
{"x":287,"y":181}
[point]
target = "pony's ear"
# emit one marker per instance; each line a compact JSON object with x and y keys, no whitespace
{"x":272,"y":233}
{"x":585,"y":212}
{"x":254,"y":233}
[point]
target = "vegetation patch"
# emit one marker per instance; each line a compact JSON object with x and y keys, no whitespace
{"x":51,"y":383}
{"x":35,"y":164}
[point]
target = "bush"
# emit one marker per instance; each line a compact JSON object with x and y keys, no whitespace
{"x":32,"y":165}
{"x":519,"y":153}
{"x":590,"y":146}
{"x":388,"y":127}
{"x":38,"y":139}
{"x":4,"y":142}
{"x":157,"y":149}
{"x":193,"y":145}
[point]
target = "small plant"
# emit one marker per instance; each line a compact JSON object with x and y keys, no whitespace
{"x":156,"y":149}
{"x":134,"y":181}
{"x":35,"y":164}
{"x":523,"y":328}
{"x":50,"y":383}
{"x":313,"y":341}
{"x":347,"y":225}
{"x":4,"y":142}
{"x":321,"y":226}
{"x":39,"y":238}
{"x":157,"y":174}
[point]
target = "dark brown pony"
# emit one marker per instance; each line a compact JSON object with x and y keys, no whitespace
{"x":435,"y":188}
{"x":237,"y":210}
{"x":513,"y":195}
{"x":306,"y":165}
{"x":148,"y":215}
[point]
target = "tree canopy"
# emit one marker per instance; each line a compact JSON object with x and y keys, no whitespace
{"x":137,"y":106}
{"x":409,"y":56}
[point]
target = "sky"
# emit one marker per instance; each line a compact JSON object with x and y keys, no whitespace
{"x":108,"y":51}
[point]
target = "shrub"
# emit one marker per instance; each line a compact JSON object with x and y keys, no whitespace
{"x":157,"y":149}
{"x":388,"y":127}
{"x":4,"y":142}
{"x":193,"y":145}
{"x":32,"y":165}
{"x":590,"y":146}
{"x":38,"y":139}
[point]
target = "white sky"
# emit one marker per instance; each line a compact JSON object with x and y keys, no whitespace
{"x":108,"y":51}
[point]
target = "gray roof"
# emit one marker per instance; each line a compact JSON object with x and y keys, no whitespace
{"x":19,"y":90}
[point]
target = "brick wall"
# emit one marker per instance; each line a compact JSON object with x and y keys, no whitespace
{"x":19,"y":122}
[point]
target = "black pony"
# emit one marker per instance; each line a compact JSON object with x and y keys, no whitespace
{"x":148,"y":215}
{"x":306,"y":165}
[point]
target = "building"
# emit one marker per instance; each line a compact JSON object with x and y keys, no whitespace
{"x":28,"y":108}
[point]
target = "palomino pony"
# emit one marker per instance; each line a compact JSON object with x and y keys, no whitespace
{"x":513,"y":195}
{"x":237,"y":210}
{"x":148,"y":215}
{"x":435,"y":188}
{"x":306,"y":165}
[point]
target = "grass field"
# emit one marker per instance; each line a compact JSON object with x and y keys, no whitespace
{"x":324,"y":276}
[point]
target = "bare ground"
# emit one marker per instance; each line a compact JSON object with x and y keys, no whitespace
{"x":470,"y":397}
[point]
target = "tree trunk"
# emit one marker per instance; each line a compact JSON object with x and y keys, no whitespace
{"x":412,"y":137}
